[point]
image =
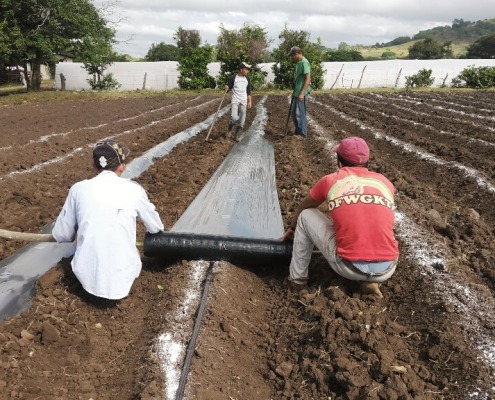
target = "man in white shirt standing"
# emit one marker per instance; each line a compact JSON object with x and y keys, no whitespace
{"x":100,"y":213}
{"x":241,"y":98}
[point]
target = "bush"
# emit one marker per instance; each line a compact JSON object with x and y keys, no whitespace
{"x":475,"y":77}
{"x":389,"y":55}
{"x":284,"y":66}
{"x":421,"y":79}
{"x":107,"y":82}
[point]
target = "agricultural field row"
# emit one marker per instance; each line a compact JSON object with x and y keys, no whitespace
{"x":431,"y":337}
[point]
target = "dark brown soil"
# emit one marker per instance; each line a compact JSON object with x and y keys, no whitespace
{"x":431,"y":337}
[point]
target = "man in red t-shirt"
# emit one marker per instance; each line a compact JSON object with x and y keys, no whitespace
{"x":358,"y":239}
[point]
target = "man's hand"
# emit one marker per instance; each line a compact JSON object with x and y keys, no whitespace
{"x":249,"y":104}
{"x":288,"y":235}
{"x":301,"y":97}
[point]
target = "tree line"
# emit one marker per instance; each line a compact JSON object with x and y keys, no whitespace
{"x":38,"y":32}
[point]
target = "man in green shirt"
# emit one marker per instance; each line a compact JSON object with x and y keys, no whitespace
{"x":302,"y":88}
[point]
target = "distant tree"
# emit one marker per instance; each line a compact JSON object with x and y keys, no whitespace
{"x":430,"y":49}
{"x":484,"y":47}
{"x":343,"y":46}
{"x":193,"y":60}
{"x":343,"y":55}
{"x":37,"y":31}
{"x":118,"y":57}
{"x":247,"y":44}
{"x":459,"y":31}
{"x":284,"y":66}
{"x":399,"y":40}
{"x":162,"y":52}
{"x":389,"y":55}
{"x":5,"y":49}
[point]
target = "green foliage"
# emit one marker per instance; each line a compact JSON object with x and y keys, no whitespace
{"x":284,"y":65}
{"x":475,"y":77}
{"x":39,"y":30}
{"x":4,"y":44}
{"x":399,"y":40}
{"x":343,"y":55}
{"x":100,"y":81}
{"x":484,"y":47}
{"x":430,"y":49}
{"x":396,"y":42}
{"x":421,"y":79}
{"x":459,"y":31}
{"x":248,"y":44}
{"x":119,"y":57}
{"x":389,"y":55}
{"x":193,"y":60}
{"x":162,"y":52}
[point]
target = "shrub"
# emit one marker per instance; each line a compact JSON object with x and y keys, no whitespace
{"x":389,"y":55}
{"x":107,"y":82}
{"x":421,"y":79}
{"x":100,"y":80}
{"x":284,"y":66}
{"x":475,"y":77}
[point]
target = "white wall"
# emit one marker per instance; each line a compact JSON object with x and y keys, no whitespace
{"x":385,"y":73}
{"x":160,"y":75}
{"x":163,"y":75}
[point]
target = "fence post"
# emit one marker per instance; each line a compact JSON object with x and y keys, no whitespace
{"x":362,"y":73}
{"x":144,"y":80}
{"x":444,"y":79}
{"x":62,"y":82}
{"x":336,"y":79}
{"x":397,"y":80}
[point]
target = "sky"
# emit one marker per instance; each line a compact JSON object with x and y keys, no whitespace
{"x":139,"y":23}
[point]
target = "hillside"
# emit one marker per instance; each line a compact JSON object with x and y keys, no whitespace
{"x":402,"y":50}
{"x":461,"y":33}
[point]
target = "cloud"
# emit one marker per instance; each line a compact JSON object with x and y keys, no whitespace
{"x":354,"y":22}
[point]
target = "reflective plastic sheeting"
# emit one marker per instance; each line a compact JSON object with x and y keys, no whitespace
{"x":19,"y":272}
{"x":240,"y":199}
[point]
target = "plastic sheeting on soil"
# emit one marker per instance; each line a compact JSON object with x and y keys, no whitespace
{"x":239,"y":200}
{"x":19,"y":272}
{"x":241,"y":197}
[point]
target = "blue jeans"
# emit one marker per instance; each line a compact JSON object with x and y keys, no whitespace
{"x":298,"y":112}
{"x":238,"y":114}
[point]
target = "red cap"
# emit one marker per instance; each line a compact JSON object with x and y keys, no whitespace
{"x":353,"y":149}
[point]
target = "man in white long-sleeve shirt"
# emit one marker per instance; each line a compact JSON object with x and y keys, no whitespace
{"x":102,"y":213}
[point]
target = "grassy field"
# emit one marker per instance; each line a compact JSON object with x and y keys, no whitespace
{"x":402,"y":50}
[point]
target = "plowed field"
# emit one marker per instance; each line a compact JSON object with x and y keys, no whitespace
{"x":432,"y":336}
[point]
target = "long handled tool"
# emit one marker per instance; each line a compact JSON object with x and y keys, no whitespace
{"x":215,"y":117}
{"x":28,"y":237}
{"x":290,"y":112}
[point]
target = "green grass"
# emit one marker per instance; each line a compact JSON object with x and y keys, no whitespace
{"x":402,"y":50}
{"x":12,"y":95}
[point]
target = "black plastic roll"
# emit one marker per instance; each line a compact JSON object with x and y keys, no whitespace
{"x":237,"y":250}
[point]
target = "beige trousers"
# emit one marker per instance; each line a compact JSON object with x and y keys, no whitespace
{"x":316,"y":229}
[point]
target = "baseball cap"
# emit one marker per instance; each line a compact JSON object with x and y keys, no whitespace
{"x":243,"y":65}
{"x":294,"y":50}
{"x":109,"y":154}
{"x":353,"y":149}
